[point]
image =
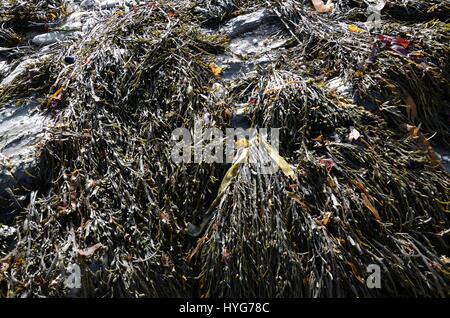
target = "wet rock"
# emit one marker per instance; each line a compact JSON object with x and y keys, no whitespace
{"x":251,"y":49}
{"x":21,"y":128}
{"x":4,"y":69}
{"x":444,"y":155}
{"x":89,"y":4}
{"x":80,"y":21}
{"x":109,"y":4}
{"x":22,"y":68}
{"x":256,"y":43}
{"x":216,"y":12}
{"x":83,"y":16}
{"x":248,"y":22}
{"x":234,"y":67}
{"x":105,"y":4}
{"x":49,"y":38}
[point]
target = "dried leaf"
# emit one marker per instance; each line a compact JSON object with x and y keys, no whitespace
{"x":90,"y":251}
{"x":329,"y":164}
{"x":361,"y":187}
{"x":215,"y":70}
{"x":370,"y":206}
{"x":318,"y":138}
{"x":297,"y":199}
{"x":359,"y":74}
{"x":165,"y":260}
{"x":56,"y":96}
{"x":326,"y":218}
{"x":20,"y":261}
{"x":225,"y":255}
{"x":200,"y":242}
{"x":53,"y":16}
{"x":355,"y":273}
{"x":354,"y":29}
{"x":422,"y":141}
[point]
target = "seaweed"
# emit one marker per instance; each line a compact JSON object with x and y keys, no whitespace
{"x":357,"y":182}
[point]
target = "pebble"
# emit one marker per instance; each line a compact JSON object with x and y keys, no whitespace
{"x":48,"y":38}
{"x":69,"y":60}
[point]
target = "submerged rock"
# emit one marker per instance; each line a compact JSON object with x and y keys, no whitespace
{"x":251,"y":48}
{"x":248,"y":22}
{"x":49,"y":38}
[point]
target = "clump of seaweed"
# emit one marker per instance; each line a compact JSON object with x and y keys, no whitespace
{"x":8,"y":37}
{"x":402,"y":65}
{"x":32,"y":75}
{"x":114,"y":186}
{"x":352,"y":203}
{"x":20,"y":14}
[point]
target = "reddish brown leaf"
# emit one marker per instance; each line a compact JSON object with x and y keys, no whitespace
{"x":326,"y":218}
{"x":411,"y":107}
{"x":370,"y":206}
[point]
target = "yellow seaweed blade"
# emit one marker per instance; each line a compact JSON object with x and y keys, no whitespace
{"x":281,"y":162}
{"x":354,"y":28}
{"x":215,"y":70}
{"x":232,"y":172}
